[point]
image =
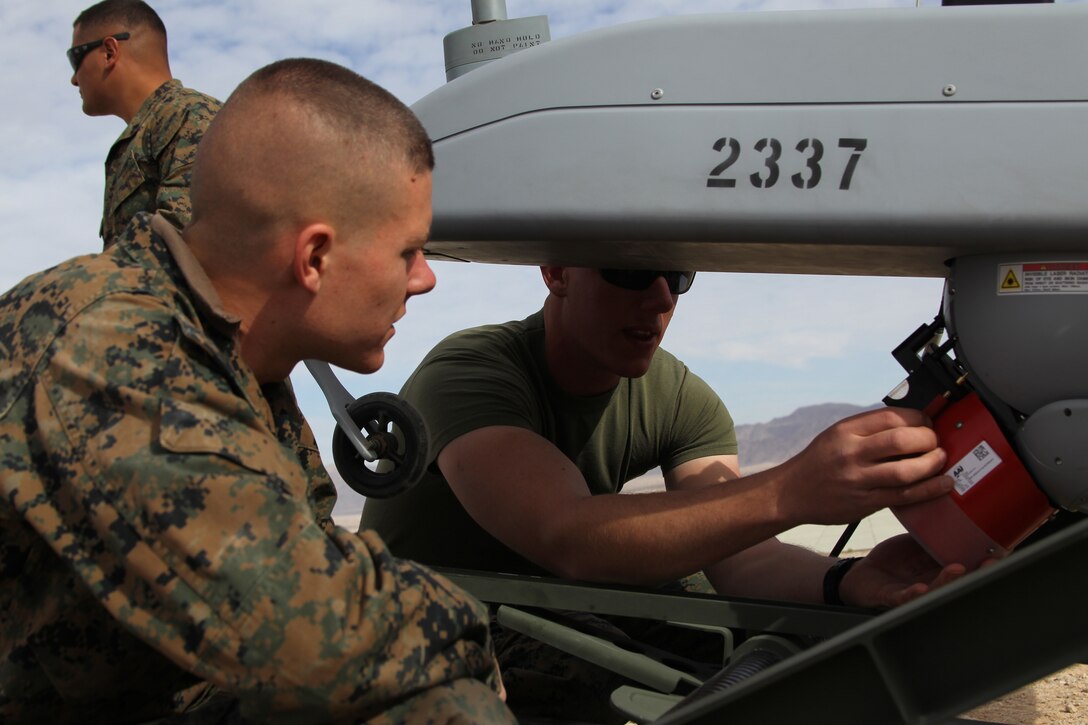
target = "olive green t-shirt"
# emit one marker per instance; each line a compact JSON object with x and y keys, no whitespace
{"x":497,"y":375}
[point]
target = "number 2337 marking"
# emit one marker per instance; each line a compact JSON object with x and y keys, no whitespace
{"x":809,"y":160}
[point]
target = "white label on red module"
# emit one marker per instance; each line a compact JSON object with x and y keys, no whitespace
{"x":973,"y":467}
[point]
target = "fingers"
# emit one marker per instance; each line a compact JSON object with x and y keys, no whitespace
{"x":902,"y":596}
{"x":887,"y":457}
{"x":888,"y":436}
{"x":875,"y":421}
{"x":896,"y":494}
{"x":947,"y":575}
{"x":907,"y":458}
{"x":898,"y":442}
{"x":908,"y":480}
{"x":925,"y":490}
{"x":902,"y":471}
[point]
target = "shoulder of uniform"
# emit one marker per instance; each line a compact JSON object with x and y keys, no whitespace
{"x":36,"y":312}
{"x":192,"y":99}
{"x":180,"y":116}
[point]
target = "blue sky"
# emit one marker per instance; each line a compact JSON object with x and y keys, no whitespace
{"x":767,"y":343}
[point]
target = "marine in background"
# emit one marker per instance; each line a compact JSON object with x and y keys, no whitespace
{"x":121,"y":66}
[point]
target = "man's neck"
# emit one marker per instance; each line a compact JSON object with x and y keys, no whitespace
{"x":137,"y":93}
{"x":571,"y":368}
{"x":248,"y":300}
{"x":266,"y":344}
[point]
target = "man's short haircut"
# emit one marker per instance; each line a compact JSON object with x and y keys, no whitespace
{"x":125,"y":14}
{"x":347,"y":102}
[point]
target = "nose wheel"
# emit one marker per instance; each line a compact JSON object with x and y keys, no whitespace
{"x":394,"y":434}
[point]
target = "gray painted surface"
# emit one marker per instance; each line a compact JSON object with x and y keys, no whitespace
{"x":598,"y":149}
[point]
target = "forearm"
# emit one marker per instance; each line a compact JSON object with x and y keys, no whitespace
{"x":353,"y":638}
{"x":657,"y":537}
{"x":772,"y":570}
{"x":333,"y":625}
{"x":533,"y":498}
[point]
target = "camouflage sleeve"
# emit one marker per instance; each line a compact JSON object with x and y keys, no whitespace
{"x":186,"y":518}
{"x":175,"y":159}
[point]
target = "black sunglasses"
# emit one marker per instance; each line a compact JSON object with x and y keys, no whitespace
{"x":77,"y":53}
{"x":640,"y":279}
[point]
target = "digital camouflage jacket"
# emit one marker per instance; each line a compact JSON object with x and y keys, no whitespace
{"x":165,"y":532}
{"x":149,"y":165}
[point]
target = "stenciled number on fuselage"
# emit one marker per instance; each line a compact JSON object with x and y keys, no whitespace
{"x":810,"y":151}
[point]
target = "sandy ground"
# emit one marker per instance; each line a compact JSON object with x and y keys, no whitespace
{"x":1059,"y":699}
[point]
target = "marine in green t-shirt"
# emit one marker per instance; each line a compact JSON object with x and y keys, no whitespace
{"x":497,"y":375}
{"x":536,"y":425}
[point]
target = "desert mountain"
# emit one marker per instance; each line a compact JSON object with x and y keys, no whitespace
{"x":763,"y":445}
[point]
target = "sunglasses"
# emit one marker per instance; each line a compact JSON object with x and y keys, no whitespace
{"x":640,"y":279}
{"x":77,"y":53}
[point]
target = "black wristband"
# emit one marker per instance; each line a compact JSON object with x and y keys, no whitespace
{"x":833,"y":579}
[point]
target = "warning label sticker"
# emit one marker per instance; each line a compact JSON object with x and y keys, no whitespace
{"x":1043,"y":278}
{"x":973,"y":467}
{"x":1011,"y":281}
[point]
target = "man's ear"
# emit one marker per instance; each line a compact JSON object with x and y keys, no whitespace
{"x":113,"y":50}
{"x":556,"y":280}
{"x":311,"y":261}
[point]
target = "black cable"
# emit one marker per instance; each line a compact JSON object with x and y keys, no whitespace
{"x":841,"y":543}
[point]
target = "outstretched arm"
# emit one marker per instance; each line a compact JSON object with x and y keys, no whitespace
{"x":525,"y":492}
{"x":897,"y":571}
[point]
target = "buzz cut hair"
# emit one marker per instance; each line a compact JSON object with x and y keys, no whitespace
{"x":347,"y":102}
{"x":126,"y":14}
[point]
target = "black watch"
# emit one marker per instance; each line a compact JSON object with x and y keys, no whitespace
{"x":833,"y":579}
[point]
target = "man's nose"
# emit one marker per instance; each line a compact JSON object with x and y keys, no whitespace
{"x":658,"y":297}
{"x":421,"y":277}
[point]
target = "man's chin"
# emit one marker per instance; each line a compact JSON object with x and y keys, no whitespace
{"x":634,"y":369}
{"x":369,"y":364}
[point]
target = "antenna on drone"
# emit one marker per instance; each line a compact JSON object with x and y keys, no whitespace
{"x":490,"y":37}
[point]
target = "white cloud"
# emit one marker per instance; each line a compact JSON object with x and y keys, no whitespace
{"x":789,"y":321}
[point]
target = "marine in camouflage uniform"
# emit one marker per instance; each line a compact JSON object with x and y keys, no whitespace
{"x":148,"y":167}
{"x":165,"y":533}
{"x":121,"y":67}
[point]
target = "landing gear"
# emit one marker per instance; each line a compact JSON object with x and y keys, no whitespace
{"x":396,"y":437}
